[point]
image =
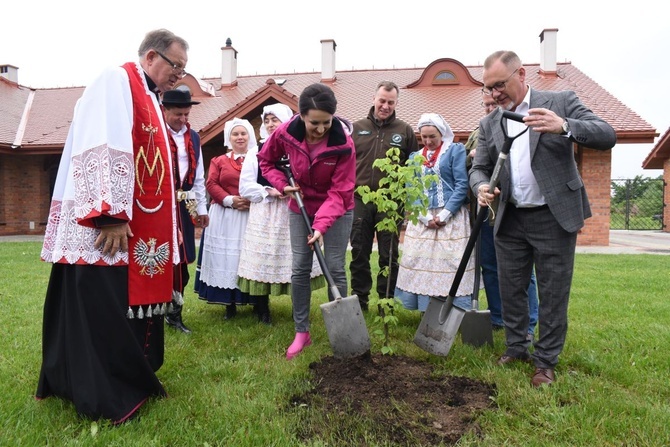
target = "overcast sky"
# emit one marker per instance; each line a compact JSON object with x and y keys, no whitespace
{"x":625,"y":49}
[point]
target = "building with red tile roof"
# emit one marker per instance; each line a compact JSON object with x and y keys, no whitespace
{"x":659,"y":158}
{"x":36,"y":121}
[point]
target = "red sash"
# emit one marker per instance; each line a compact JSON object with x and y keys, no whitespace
{"x":192,"y":162}
{"x":150,"y":250}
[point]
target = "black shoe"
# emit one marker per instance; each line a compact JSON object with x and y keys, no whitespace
{"x":264,"y":317}
{"x":262,"y":308}
{"x":177,"y":323}
{"x":231,"y":311}
{"x":364,"y":306}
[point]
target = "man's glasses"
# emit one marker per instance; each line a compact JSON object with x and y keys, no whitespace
{"x":498,"y":87}
{"x":176,"y":69}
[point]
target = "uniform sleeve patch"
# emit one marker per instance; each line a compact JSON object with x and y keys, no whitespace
{"x":396,"y":140}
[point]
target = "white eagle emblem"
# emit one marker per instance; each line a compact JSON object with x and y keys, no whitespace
{"x":151,"y":258}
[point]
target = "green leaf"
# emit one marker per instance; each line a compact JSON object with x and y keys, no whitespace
{"x":400,"y":195}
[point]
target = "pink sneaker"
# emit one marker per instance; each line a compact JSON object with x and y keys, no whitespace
{"x":300,"y":342}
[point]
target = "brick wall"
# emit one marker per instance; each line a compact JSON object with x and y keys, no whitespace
{"x":24,"y":194}
{"x":666,"y":195}
{"x":595,"y":169}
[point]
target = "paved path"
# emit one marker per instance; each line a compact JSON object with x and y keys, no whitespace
{"x":621,"y":242}
{"x":634,"y":242}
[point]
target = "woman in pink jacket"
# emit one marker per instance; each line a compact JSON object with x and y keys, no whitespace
{"x":323,"y":162}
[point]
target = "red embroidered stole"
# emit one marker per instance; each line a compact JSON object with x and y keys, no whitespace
{"x":150,"y":249}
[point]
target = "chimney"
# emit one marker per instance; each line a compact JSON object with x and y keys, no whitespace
{"x":10,"y":72}
{"x":328,"y":60}
{"x":228,"y":65}
{"x":548,"y":51}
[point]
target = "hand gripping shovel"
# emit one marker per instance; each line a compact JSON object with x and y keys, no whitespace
{"x":441,"y":321}
{"x":342,"y":317}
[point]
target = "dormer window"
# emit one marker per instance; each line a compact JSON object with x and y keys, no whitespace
{"x":445,"y":77}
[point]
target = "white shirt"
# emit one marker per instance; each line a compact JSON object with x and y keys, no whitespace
{"x":525,"y":190}
{"x":228,"y":200}
{"x":249,"y":186}
{"x":199,"y":179}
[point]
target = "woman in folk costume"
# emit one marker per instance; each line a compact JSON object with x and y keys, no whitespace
{"x":433,"y":247}
{"x":265,"y":261}
{"x":228,"y":215}
{"x":111,"y":236}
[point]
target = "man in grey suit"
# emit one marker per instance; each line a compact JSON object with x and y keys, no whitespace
{"x":543,"y":203}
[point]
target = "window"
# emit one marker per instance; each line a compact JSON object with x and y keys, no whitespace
{"x":445,"y":77}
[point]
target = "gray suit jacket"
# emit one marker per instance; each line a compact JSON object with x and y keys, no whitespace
{"x":552,"y":157}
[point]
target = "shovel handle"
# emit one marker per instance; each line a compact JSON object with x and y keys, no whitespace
{"x":513,"y":116}
{"x":478,"y":264}
{"x":484,"y":211}
{"x":284,"y":165}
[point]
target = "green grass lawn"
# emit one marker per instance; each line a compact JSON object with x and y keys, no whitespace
{"x":230,"y":385}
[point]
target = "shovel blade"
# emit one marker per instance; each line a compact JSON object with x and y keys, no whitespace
{"x":346,"y":327}
{"x":476,"y":328}
{"x":439,"y":326}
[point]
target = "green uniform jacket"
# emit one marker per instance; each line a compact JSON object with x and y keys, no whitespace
{"x":373,"y":139}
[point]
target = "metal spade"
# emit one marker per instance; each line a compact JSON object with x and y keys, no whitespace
{"x":343,"y":317}
{"x":442,"y":320}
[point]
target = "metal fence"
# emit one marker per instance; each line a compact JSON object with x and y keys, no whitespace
{"x":637,"y":204}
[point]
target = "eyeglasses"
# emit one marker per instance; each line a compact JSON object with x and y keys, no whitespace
{"x":491,"y":105}
{"x":498,"y":87}
{"x":176,"y":69}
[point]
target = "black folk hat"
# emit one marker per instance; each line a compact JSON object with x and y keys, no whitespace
{"x":178,"y":98}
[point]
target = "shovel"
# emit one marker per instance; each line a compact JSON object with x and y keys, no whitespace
{"x":441,"y":321}
{"x":343,"y":317}
{"x":476,"y":327}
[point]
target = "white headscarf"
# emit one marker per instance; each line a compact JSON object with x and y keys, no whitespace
{"x":281,"y":111}
{"x":436,"y":120}
{"x":228,"y":128}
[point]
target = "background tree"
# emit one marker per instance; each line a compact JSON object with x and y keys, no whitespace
{"x":636,"y":203}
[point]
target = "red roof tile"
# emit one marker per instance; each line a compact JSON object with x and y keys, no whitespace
{"x":51,"y":110}
{"x":51,"y":115}
{"x":12,"y":104}
{"x":659,"y":153}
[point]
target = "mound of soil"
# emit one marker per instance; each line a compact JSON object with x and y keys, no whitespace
{"x":399,"y":396}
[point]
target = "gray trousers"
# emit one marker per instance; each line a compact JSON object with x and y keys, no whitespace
{"x":335,"y":243}
{"x":526,"y":237}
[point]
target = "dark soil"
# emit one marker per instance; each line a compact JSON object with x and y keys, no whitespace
{"x":397,"y":397}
